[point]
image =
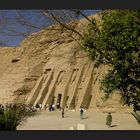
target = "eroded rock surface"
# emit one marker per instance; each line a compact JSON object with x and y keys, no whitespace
{"x":50,"y":67}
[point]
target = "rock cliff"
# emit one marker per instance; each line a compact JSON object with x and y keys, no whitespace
{"x":50,"y":67}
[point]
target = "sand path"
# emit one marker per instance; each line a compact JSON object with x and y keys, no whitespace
{"x":95,"y":120}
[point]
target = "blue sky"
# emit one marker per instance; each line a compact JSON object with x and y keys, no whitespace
{"x":10,"y":24}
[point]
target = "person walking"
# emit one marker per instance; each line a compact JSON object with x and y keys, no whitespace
{"x":109,"y":120}
{"x":63,"y":112}
{"x":58,"y":105}
{"x":81,"y":112}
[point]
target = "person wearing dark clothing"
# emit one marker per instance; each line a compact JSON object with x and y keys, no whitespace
{"x":81,"y":112}
{"x":109,"y":120}
{"x":58,"y":105}
{"x":63,"y":112}
{"x":37,"y":106}
{"x":50,"y":108}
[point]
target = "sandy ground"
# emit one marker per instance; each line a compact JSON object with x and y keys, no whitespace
{"x":94,"y":120}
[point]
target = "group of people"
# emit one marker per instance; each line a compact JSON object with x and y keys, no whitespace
{"x":52,"y":108}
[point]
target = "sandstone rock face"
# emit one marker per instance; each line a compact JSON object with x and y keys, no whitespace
{"x":49,"y":67}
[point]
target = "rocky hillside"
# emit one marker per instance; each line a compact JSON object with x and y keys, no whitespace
{"x":22,"y":66}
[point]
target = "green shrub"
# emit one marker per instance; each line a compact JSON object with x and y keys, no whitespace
{"x":11,"y":117}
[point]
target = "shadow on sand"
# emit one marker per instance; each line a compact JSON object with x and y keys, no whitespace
{"x":113,"y":125}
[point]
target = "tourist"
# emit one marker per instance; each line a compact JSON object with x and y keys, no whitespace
{"x":63,"y":112}
{"x":50,"y":108}
{"x":40,"y":106}
{"x":33,"y":108}
{"x":37,"y":106}
{"x":81,"y":112}
{"x":58,"y":105}
{"x":109,"y":120}
{"x":53,"y":107}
